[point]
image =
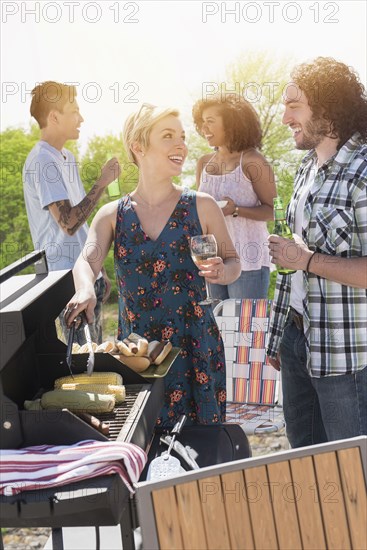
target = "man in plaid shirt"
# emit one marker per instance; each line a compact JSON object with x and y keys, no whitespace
{"x":318,"y":327}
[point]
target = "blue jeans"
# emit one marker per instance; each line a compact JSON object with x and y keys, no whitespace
{"x":323,"y":409}
{"x":96,"y":328}
{"x":250,"y":284}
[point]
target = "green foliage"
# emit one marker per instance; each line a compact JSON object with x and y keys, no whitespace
{"x":197,"y":147}
{"x":260,"y":79}
{"x":271,"y":290}
{"x":99,"y":150}
{"x":15,"y":239}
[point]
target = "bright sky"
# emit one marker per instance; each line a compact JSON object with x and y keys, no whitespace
{"x":125,"y":53}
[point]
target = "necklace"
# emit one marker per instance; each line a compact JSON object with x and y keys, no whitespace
{"x":155,"y":205}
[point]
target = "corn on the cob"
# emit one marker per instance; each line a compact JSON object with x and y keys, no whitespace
{"x":105,"y":389}
{"x":34,"y":405}
{"x":113,"y":378}
{"x":78,"y":401}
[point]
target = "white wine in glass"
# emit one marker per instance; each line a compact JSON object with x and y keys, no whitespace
{"x":202,"y":248}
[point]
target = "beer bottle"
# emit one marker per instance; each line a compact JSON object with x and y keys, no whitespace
{"x":282,"y":229}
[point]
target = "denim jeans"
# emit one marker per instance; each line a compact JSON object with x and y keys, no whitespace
{"x":323,"y":409}
{"x":96,"y":328}
{"x":250,"y":284}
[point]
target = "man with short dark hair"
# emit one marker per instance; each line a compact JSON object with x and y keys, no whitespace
{"x":318,"y":328}
{"x":56,"y":202}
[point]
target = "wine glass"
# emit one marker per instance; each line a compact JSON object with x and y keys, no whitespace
{"x":203,"y":247}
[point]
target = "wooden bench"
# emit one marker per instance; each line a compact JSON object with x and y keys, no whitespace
{"x":312,"y":498}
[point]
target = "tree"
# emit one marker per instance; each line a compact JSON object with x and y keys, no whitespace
{"x":15,"y":238}
{"x":99,"y":150}
{"x":261,"y":80}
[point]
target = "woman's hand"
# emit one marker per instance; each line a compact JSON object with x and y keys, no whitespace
{"x":212,"y":270}
{"x":82,"y":300}
{"x":229,"y":208}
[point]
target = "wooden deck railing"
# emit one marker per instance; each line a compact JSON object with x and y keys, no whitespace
{"x":310,"y":498}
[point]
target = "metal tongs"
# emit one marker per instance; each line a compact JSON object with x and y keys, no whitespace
{"x":80,"y":319}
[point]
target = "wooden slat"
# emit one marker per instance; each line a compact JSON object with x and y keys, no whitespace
{"x":238,"y":515}
{"x":212,"y":506}
{"x":354,"y":490}
{"x":284,"y":505}
{"x":260,"y":507}
{"x":332,"y":501}
{"x":190,"y":516}
{"x":167,"y":519}
{"x":307,"y":503}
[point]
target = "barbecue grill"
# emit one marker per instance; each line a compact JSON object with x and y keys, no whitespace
{"x":32,"y":357}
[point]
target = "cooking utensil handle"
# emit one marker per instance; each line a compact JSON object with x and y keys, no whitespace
{"x":69,"y":350}
{"x":179,"y":424}
{"x":90,"y":362}
{"x":175,"y":431}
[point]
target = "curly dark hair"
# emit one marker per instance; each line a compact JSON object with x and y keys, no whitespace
{"x":240,"y":120}
{"x":334,"y":93}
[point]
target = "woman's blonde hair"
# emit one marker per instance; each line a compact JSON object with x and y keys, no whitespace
{"x":138,"y":126}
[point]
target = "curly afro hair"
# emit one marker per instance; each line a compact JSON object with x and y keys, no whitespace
{"x":240,"y":120}
{"x":334,"y":93}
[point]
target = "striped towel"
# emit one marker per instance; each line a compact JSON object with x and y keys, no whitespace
{"x":44,"y":466}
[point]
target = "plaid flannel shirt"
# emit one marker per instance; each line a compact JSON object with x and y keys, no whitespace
{"x":335,"y":223}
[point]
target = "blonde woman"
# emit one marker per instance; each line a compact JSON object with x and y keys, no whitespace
{"x":159,"y":285}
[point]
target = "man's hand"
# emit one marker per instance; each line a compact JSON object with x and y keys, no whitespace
{"x":289,"y":253}
{"x":275,"y":363}
{"x":110,"y":172}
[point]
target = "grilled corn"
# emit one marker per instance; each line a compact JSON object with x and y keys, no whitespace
{"x":78,"y":401}
{"x":105,"y":389}
{"x":95,"y":378}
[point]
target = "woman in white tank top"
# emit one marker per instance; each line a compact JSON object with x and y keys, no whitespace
{"x":238,"y":174}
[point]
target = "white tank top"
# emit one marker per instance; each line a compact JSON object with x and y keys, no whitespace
{"x":250,"y":237}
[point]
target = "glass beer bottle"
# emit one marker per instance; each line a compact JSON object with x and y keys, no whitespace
{"x":113,"y":188}
{"x":282,"y":229}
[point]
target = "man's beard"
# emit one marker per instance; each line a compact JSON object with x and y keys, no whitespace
{"x":313,"y":133}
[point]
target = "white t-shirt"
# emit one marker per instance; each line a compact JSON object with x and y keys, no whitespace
{"x":298,"y":291}
{"x":49,"y":177}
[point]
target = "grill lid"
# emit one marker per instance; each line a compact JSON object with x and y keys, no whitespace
{"x":30,"y":302}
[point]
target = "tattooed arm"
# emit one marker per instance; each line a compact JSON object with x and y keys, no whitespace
{"x":71,"y":218}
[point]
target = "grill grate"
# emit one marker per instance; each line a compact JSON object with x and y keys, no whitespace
{"x":127,"y":411}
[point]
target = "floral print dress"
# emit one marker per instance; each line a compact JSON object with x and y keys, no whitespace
{"x":159,"y":289}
